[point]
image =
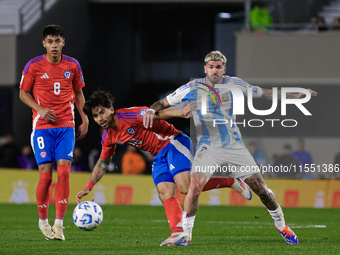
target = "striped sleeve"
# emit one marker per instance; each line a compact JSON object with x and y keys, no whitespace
{"x":244,"y":86}
{"x":108,"y":150}
{"x":27,"y":78}
{"x":181,"y":94}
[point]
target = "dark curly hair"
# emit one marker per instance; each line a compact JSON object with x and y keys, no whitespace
{"x":99,"y":97}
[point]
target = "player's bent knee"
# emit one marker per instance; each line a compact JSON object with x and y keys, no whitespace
{"x":163,"y":196}
{"x":198,"y":181}
{"x":63,"y":171}
{"x":196,"y":187}
{"x":182,"y":181}
{"x":45,"y":168}
{"x":183,"y":188}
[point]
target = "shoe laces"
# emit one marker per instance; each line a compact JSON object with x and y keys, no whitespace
{"x":287,"y":232}
{"x":47,"y":229}
{"x":59,"y":227}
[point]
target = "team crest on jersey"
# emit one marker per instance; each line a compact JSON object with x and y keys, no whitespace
{"x":131,"y":131}
{"x":43,"y":154}
{"x":142,"y":112}
{"x":225,"y":97}
{"x":67,"y":74}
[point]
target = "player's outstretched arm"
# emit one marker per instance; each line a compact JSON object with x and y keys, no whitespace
{"x":154,"y":108}
{"x":80,"y":101}
{"x":268,"y":94}
{"x":98,"y":171}
{"x":45,"y":113}
{"x":185,"y":113}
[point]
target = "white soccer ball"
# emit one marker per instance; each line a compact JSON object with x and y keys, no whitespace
{"x":87,"y":215}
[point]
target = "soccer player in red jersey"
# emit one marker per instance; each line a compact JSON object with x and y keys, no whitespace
{"x":172,"y":150}
{"x":56,"y":81}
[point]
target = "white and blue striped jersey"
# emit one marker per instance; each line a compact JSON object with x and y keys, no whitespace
{"x":214,"y":119}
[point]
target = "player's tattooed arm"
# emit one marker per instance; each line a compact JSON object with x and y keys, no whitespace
{"x":185,"y":113}
{"x":149,"y":116}
{"x":100,"y":169}
{"x":159,"y":105}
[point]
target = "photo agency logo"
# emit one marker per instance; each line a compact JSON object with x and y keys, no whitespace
{"x":212,"y":97}
{"x":237,"y":105}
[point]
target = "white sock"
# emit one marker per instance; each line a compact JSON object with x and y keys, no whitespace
{"x":188,"y":223}
{"x":278,"y":218}
{"x":61,"y":222}
{"x":42,"y":222}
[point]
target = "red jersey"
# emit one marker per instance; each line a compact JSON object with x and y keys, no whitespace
{"x":131,"y":131}
{"x":53,"y":87}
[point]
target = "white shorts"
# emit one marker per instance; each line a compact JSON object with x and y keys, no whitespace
{"x":232,"y":160}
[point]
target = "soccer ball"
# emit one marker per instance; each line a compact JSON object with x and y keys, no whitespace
{"x":87,"y":215}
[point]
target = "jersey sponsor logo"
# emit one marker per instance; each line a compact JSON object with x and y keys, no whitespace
{"x":45,"y":76}
{"x":164,"y":138}
{"x":134,"y":142}
{"x":142,"y":112}
{"x":70,"y":154}
{"x":171,"y":167}
{"x":131,"y":131}
{"x":67,"y":74}
{"x":43,"y":154}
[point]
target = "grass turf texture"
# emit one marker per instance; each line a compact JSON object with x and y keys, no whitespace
{"x":140,"y":230}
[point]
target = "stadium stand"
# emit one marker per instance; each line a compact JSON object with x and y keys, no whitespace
{"x":17,"y":16}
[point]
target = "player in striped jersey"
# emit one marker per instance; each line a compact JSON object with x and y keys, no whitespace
{"x":172,"y":150}
{"x":219,"y":139}
{"x":56,"y":81}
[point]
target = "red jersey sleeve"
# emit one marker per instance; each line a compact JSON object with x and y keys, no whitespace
{"x":141,"y":112}
{"x":108,"y":148}
{"x":78,"y":81}
{"x":27,"y":78}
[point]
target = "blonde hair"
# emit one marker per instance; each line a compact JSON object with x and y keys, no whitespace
{"x":215,"y":56}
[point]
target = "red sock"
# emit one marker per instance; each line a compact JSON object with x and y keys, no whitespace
{"x":173,"y":211}
{"x":218,"y":183}
{"x":42,"y":194}
{"x":62,"y":191}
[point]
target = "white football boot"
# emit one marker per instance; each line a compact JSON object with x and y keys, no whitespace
{"x":58,"y":230}
{"x":241,"y":187}
{"x":177,"y":239}
{"x":47,"y":231}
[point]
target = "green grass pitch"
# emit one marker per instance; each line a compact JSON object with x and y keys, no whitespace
{"x":140,"y":230}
